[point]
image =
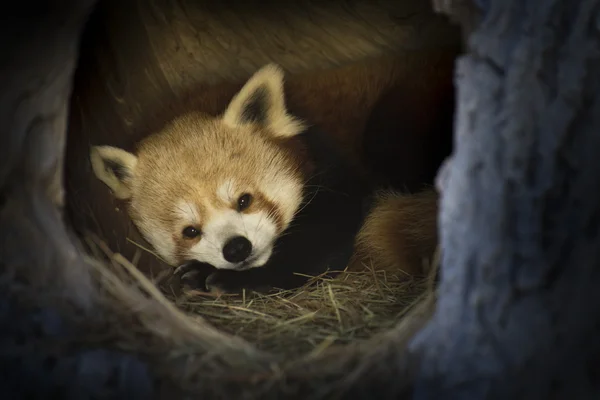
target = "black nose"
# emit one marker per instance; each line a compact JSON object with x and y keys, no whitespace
{"x":237,"y":249}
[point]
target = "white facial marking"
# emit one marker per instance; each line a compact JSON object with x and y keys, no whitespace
{"x":226,"y":192}
{"x":187,"y":212}
{"x":160,"y":239}
{"x":288,"y":195}
{"x":259,"y":229}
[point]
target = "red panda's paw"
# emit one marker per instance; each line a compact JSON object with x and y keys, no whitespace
{"x":190,"y":278}
{"x":399,"y":234}
{"x":196,"y":278}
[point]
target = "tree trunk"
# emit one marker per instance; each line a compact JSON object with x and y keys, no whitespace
{"x":518,"y":312}
{"x":519,"y":306}
{"x":39,"y":52}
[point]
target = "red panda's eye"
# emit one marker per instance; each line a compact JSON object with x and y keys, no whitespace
{"x":190,"y":232}
{"x":244,"y":202}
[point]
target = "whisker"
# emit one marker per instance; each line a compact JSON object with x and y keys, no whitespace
{"x":309,"y":201}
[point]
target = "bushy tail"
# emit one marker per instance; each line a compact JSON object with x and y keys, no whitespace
{"x":400,"y":232}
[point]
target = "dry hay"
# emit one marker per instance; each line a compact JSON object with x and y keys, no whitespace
{"x":311,"y":318}
{"x":349,"y":308}
{"x":188,"y":354}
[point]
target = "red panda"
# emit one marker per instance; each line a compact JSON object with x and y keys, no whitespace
{"x":261,"y":195}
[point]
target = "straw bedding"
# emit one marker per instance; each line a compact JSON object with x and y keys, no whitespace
{"x":96,"y":318}
{"x":348,"y":308}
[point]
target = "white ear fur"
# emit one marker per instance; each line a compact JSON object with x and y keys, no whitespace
{"x":261,"y":101}
{"x":114,"y":167}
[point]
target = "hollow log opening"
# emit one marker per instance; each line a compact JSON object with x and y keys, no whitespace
{"x":374,"y":77}
{"x":517,"y":301}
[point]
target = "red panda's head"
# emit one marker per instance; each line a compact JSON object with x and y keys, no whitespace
{"x":220,"y":189}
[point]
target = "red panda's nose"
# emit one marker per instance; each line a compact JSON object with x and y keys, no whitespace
{"x":237,"y":249}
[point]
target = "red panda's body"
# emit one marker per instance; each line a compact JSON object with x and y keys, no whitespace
{"x":260,"y":194}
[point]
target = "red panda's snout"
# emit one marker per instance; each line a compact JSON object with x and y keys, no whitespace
{"x":228,"y":223}
{"x":228,"y":237}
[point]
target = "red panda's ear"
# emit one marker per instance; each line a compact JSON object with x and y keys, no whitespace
{"x":261,"y":101}
{"x":114,"y":167}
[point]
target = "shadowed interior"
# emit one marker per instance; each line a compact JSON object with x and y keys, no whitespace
{"x":375,"y":77}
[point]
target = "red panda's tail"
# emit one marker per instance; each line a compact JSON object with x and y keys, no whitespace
{"x":400,"y":232}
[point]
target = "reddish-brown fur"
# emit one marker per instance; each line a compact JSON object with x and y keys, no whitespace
{"x":399,"y":234}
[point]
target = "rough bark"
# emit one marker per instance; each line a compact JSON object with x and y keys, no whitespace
{"x":467,"y":13}
{"x":519,"y":306}
{"x":39,"y":51}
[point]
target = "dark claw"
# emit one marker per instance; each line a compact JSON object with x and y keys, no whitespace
{"x":192,"y":275}
{"x":184,"y":268}
{"x":193,"y":280}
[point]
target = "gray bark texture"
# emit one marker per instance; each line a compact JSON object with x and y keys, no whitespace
{"x":518,"y":312}
{"x":39,"y":52}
